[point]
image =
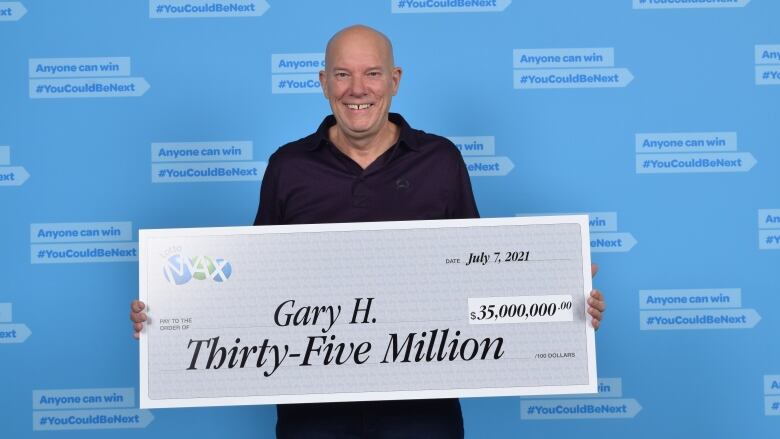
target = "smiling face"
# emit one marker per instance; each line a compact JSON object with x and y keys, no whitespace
{"x":360,"y":81}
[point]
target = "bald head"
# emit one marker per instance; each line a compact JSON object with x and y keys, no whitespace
{"x":364,"y":35}
{"x":360,"y":80}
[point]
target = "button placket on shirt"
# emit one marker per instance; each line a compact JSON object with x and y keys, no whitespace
{"x":360,"y":192}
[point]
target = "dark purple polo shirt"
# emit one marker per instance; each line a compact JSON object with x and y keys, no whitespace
{"x":310,"y":181}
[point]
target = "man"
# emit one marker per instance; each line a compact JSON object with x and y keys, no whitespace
{"x":366,"y":164}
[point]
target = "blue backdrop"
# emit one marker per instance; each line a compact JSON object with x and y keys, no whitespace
{"x":657,"y":117}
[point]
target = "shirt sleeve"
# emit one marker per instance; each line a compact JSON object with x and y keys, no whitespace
{"x":269,"y":211}
{"x":463,"y":204}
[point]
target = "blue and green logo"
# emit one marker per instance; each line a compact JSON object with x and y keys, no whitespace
{"x":180,"y":269}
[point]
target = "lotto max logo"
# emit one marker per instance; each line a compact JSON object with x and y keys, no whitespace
{"x":180,"y":269}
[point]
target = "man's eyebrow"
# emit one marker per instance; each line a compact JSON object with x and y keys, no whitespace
{"x":377,"y":67}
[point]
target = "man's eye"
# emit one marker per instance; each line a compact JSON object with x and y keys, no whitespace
{"x":341,"y":75}
{"x":374,"y":74}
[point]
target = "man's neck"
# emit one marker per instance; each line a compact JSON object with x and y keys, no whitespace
{"x":365,"y":151}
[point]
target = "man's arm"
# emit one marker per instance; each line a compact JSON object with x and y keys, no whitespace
{"x":270,"y":209}
{"x":462,"y":203}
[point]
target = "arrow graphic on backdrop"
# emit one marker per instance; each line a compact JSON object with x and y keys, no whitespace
{"x":443,"y":6}
{"x":556,"y":409}
{"x":14,"y":333}
{"x":740,"y":318}
{"x":572,"y":78}
{"x":694,"y":162}
{"x":13,"y":175}
{"x":648,"y":4}
{"x":12,"y":11}
{"x":489,"y":166}
{"x":88,"y":87}
{"x":124,"y":418}
{"x":611,"y":242}
{"x":186,"y":9}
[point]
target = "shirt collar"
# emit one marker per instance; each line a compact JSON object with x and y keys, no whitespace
{"x":405,"y":138}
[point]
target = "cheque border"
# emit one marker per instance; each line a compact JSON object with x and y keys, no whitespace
{"x":146,"y":234}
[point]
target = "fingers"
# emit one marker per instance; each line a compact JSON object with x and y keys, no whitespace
{"x":596,"y":300}
{"x":138,"y":326}
{"x":138,"y":317}
{"x":137,"y":306}
{"x":596,"y":314}
{"x":596,"y":304}
{"x":596,"y":308}
{"x":595,"y":322}
{"x":136,"y":311}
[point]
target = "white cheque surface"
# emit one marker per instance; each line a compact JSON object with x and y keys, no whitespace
{"x":366,"y":311}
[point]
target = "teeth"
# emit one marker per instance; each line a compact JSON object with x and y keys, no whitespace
{"x":358,"y":106}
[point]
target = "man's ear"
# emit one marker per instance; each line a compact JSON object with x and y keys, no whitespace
{"x":324,"y":83}
{"x":396,"y":75}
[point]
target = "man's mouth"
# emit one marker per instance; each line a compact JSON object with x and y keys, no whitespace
{"x":359,"y":106}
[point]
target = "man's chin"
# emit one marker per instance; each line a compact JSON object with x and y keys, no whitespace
{"x":358,"y":129}
{"x":358,"y":133}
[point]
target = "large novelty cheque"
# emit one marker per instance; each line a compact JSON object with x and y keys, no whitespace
{"x":366,"y":311}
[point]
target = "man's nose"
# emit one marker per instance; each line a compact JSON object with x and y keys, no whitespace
{"x":358,"y":87}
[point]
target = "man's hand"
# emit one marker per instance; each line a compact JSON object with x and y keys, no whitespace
{"x":138,"y":317}
{"x":596,"y":303}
